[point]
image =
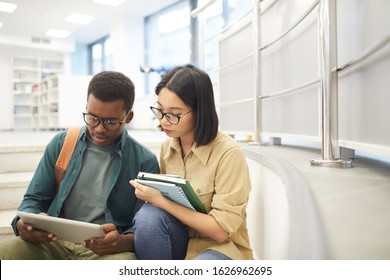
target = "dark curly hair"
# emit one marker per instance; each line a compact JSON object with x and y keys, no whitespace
{"x":110,"y":86}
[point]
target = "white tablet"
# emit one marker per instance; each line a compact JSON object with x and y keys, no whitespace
{"x":65,"y":229}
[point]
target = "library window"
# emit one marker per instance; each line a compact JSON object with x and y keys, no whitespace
{"x":172,"y":36}
{"x":216,"y":18}
{"x":168,"y":41}
{"x":101,"y":56}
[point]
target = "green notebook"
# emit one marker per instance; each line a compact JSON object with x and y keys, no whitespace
{"x":179,"y":182}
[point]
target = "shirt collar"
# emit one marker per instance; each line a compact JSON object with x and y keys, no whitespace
{"x":123,"y":139}
{"x":201,"y":152}
{"x":83,"y":133}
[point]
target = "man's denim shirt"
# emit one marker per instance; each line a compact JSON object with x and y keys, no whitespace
{"x":121,"y":203}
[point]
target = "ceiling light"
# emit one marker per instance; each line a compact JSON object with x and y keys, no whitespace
{"x":79,"y":18}
{"x":113,"y":3}
{"x":7,"y":7}
{"x":1,"y":24}
{"x":57,"y":33}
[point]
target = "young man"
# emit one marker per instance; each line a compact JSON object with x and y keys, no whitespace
{"x":96,"y":186}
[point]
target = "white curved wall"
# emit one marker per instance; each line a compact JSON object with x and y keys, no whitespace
{"x":283,"y":219}
{"x":268,"y":213}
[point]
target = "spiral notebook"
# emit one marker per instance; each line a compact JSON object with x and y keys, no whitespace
{"x":171,"y":191}
{"x":182,"y":183}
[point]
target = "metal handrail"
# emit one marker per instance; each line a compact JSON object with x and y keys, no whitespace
{"x":257,"y":72}
{"x":366,"y":54}
{"x":291,"y":90}
{"x":309,"y":10}
{"x":200,"y":9}
{"x":327,"y":80}
{"x":231,"y":64}
{"x":240,"y":101}
{"x":330,"y":151}
{"x":227,"y":27}
{"x":263,"y":11}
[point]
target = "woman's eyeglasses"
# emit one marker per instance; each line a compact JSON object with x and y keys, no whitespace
{"x":172,"y":118}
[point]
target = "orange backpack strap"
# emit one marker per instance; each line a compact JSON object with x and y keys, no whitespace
{"x":66,"y":154}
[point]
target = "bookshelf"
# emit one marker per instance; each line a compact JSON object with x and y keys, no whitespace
{"x":24,"y":78}
{"x":60,"y":101}
{"x":27,"y":74}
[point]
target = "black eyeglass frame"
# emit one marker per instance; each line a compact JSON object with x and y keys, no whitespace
{"x":166,"y":115}
{"x":106,"y":122}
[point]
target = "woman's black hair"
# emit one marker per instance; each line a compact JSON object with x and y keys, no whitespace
{"x":110,"y":86}
{"x":193,"y":86}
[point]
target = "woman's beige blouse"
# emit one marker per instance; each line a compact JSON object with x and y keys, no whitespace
{"x":219,"y":175}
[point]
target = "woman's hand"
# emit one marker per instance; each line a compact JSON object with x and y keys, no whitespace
{"x":148,"y":194}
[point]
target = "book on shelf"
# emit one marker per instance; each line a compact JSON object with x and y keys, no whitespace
{"x":174,"y":188}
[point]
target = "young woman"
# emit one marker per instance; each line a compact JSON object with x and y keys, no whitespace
{"x":213,"y":164}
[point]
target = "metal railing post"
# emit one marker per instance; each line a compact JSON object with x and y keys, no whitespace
{"x":329,"y":87}
{"x":257,"y":92}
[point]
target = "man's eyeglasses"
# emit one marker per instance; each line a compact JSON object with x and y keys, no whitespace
{"x":109,"y":124}
{"x":172,"y":118}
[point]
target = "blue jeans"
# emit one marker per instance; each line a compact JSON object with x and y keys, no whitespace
{"x":159,"y":235}
{"x":211,"y":255}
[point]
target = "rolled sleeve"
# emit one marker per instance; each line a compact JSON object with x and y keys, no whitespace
{"x":232,"y":188}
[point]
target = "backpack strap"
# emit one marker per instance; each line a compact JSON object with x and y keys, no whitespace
{"x":66,"y":154}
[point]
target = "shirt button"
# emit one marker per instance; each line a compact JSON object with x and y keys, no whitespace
{"x":198,"y":191}
{"x":74,"y":172}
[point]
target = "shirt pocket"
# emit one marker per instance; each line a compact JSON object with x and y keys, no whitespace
{"x":205,"y":191}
